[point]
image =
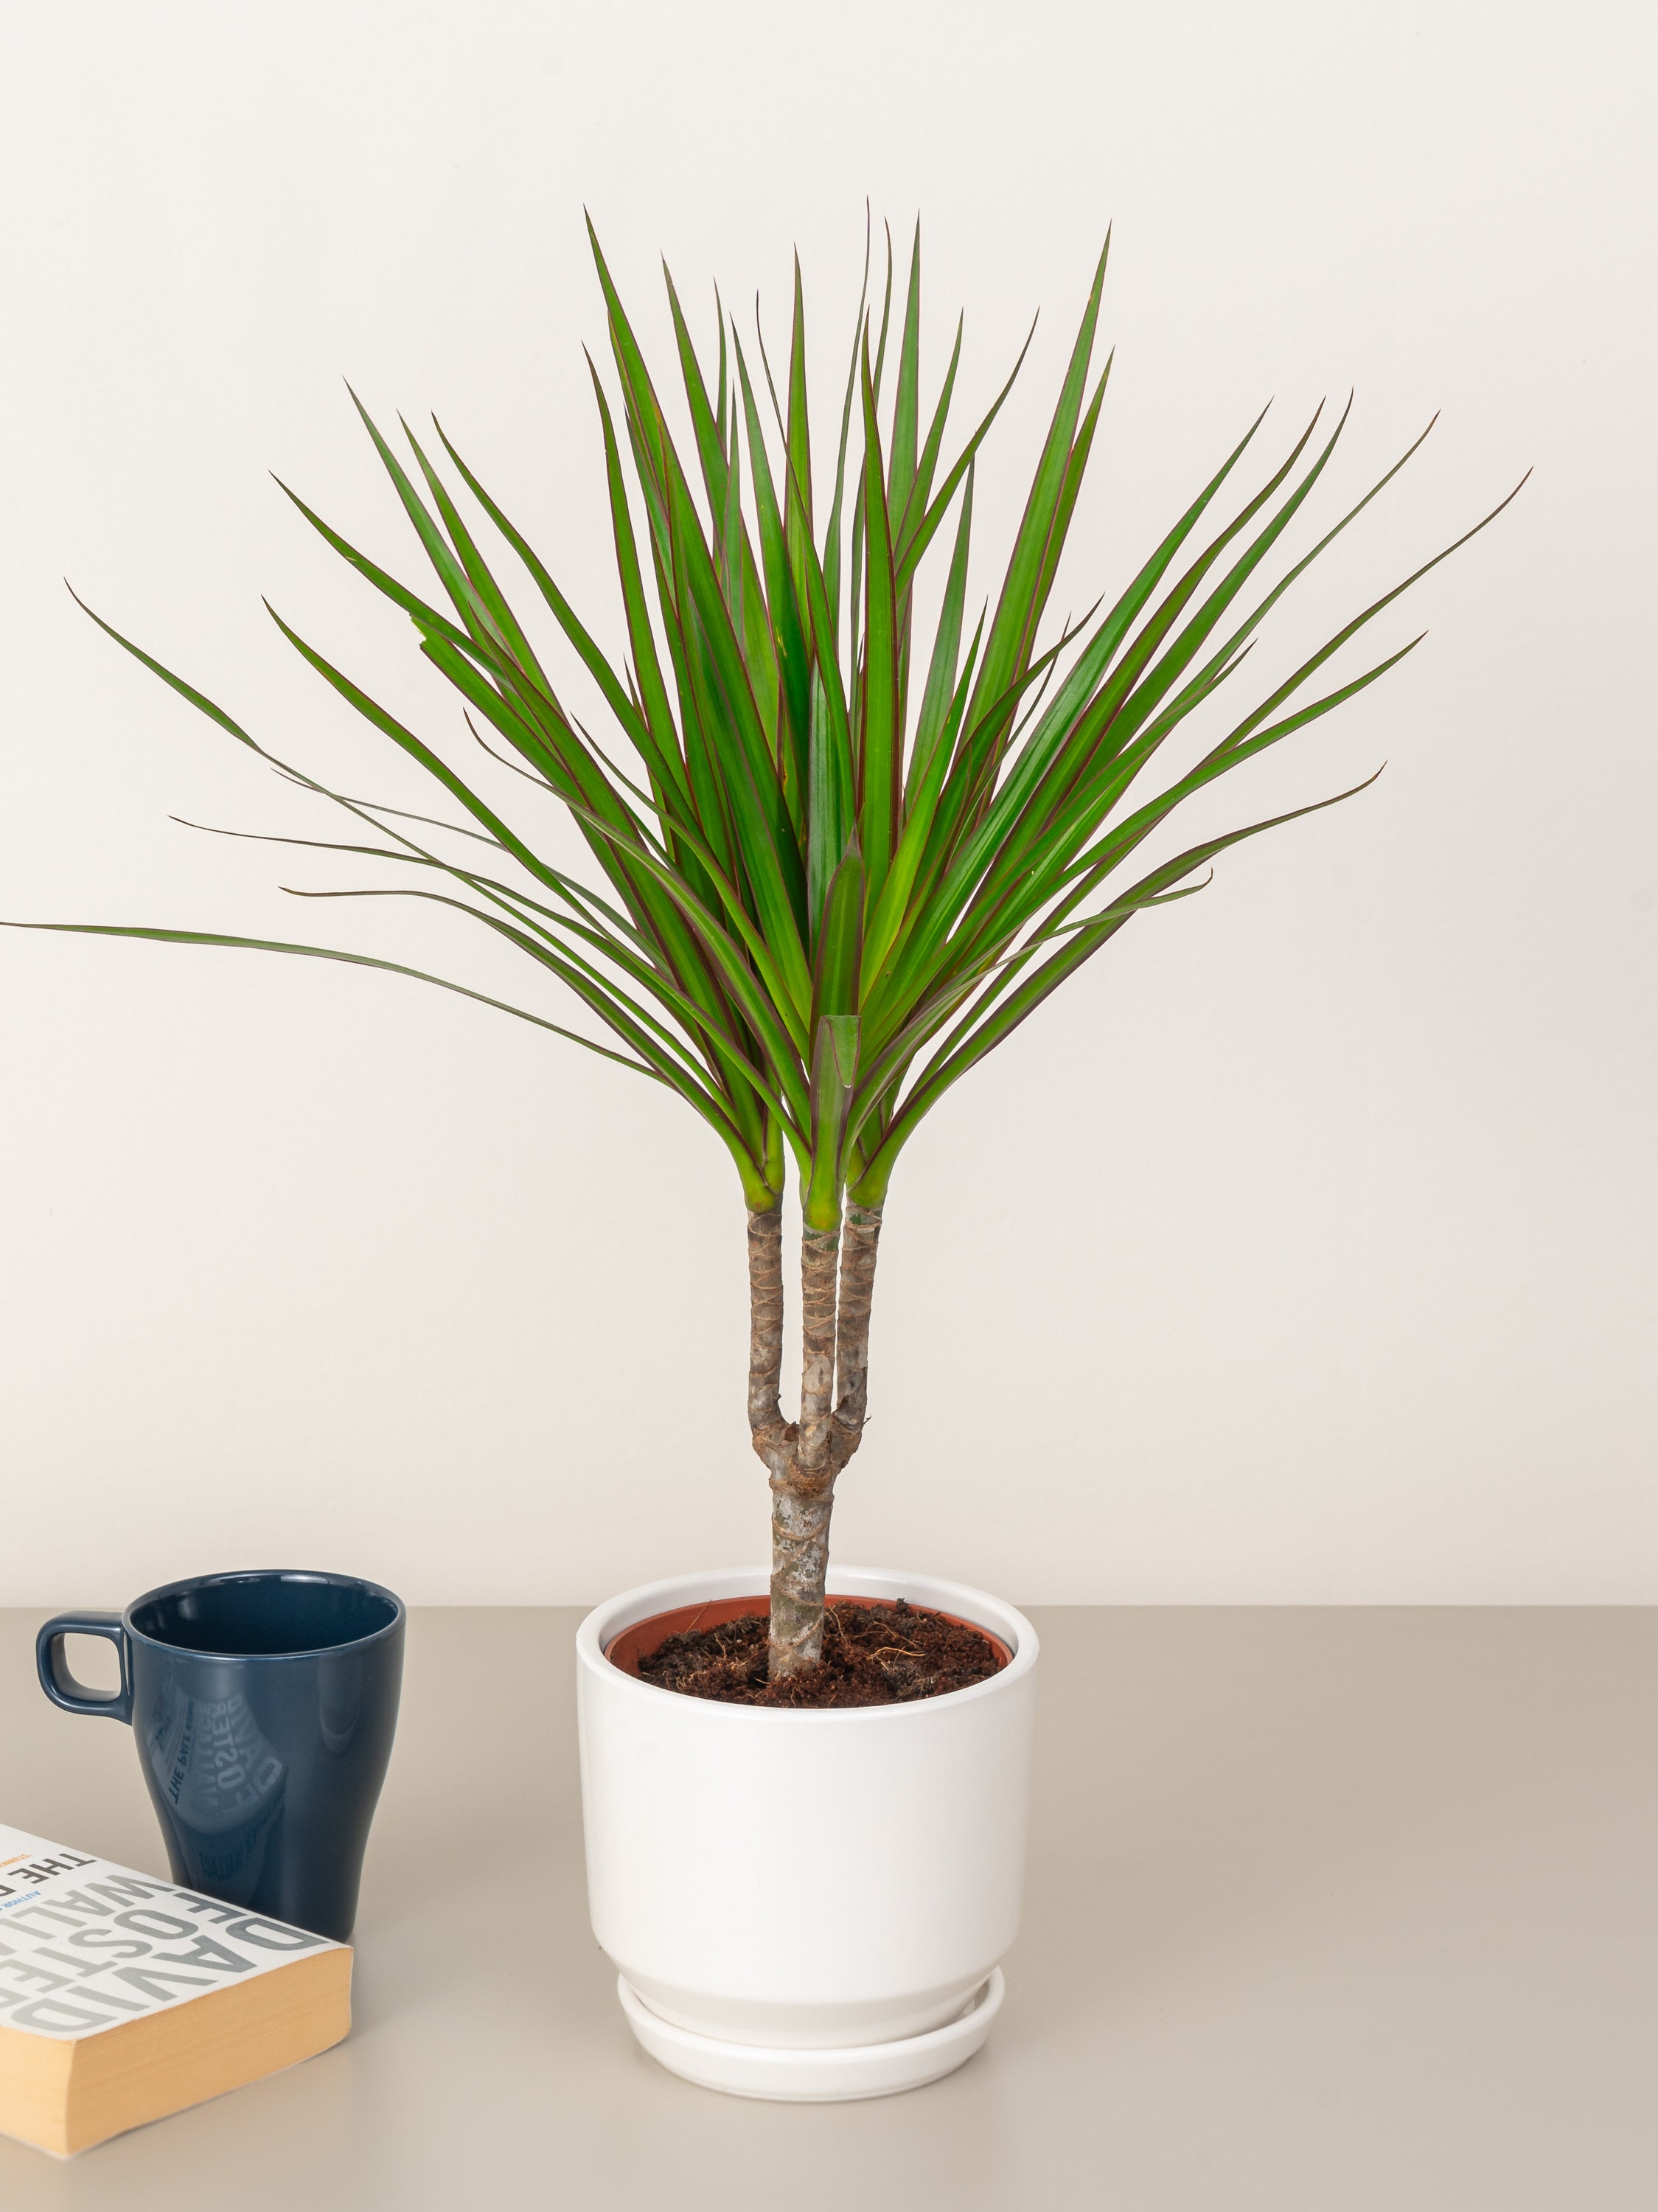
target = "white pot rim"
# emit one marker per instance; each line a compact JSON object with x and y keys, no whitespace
{"x":607,"y":1621}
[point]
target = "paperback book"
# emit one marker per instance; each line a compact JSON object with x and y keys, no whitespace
{"x":124,"y":1997}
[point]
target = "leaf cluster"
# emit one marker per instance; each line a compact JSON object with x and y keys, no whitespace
{"x":845,"y":861}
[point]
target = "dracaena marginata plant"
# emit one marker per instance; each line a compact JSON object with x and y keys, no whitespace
{"x":845,"y":860}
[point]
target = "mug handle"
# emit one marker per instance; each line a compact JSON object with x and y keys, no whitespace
{"x":61,"y":1686}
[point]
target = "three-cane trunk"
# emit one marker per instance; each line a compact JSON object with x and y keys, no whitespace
{"x":803,"y":1458}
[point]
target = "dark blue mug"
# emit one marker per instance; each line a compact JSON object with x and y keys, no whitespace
{"x":263,"y":1705}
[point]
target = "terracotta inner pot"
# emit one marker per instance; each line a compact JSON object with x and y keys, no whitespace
{"x":634,"y":1644}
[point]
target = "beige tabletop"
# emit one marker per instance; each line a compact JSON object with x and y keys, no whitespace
{"x":1348,"y":1910}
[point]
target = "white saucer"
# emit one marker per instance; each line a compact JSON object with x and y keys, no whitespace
{"x":817,"y":2077}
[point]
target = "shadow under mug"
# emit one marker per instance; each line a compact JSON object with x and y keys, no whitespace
{"x":263,"y":1705}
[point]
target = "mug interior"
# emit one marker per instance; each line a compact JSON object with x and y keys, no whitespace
{"x":263,"y":1615}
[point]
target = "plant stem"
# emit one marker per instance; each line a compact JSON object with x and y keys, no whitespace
{"x":765,"y":1328}
{"x":803,"y":1459}
{"x":803,"y":1491}
{"x":859,"y":1242}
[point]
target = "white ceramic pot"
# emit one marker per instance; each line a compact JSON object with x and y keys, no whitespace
{"x":838,"y":1883}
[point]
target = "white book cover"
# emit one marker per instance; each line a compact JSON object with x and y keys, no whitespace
{"x":86,"y":1945}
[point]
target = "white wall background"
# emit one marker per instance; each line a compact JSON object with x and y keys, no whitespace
{"x":1303,"y":1250}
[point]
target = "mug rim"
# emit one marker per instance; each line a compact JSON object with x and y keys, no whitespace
{"x":187,"y":1583}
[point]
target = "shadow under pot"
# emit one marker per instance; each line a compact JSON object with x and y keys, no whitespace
{"x":263,"y":1705}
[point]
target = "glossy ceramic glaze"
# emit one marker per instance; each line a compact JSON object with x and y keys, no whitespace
{"x":263,"y":1705}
